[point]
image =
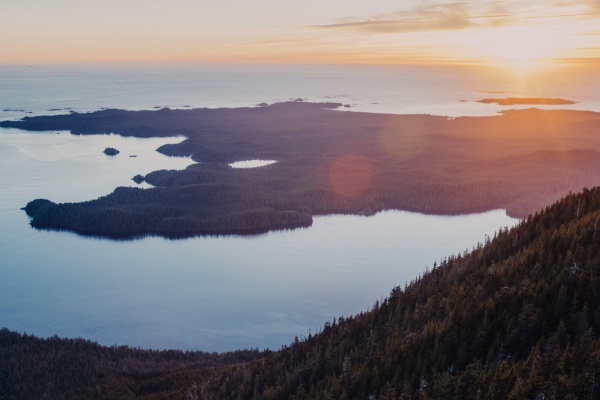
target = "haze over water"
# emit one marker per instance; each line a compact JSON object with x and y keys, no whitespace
{"x":440,"y":90}
{"x":217,"y":293}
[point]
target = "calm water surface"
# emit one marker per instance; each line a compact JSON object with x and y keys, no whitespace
{"x":450,"y":91}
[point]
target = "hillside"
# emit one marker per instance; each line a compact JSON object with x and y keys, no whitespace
{"x":328,"y":161}
{"x":516,"y":318}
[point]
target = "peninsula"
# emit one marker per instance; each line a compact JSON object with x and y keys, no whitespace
{"x":328,"y":161}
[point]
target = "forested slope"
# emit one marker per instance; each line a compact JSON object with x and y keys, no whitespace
{"x":516,"y":318}
{"x":328,"y":161}
{"x":56,"y":368}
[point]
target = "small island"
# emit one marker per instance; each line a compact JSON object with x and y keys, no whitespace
{"x":328,"y":161}
{"x":111,"y":151}
{"x":138,"y":179}
{"x":513,"y":101}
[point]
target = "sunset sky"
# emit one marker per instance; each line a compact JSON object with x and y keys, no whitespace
{"x":514,"y":33}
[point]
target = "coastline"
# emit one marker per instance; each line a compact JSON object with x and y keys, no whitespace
{"x":328,"y":162}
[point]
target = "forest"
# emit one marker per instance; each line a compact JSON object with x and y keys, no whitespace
{"x":511,"y":101}
{"x":328,"y":161}
{"x":518,"y":317}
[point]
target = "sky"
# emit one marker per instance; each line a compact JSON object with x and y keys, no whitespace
{"x":523,"y":33}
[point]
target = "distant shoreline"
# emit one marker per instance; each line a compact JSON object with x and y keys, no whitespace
{"x":513,"y":101}
{"x":328,"y":162}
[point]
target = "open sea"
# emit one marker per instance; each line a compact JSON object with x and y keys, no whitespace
{"x":220,"y":293}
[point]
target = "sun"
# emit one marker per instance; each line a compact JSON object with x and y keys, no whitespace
{"x":521,"y":49}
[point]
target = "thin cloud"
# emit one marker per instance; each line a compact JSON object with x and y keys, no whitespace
{"x":580,"y":60}
{"x":304,"y":41}
{"x":594,"y":5}
{"x":581,"y":9}
{"x":465,"y":15}
{"x":450,"y":16}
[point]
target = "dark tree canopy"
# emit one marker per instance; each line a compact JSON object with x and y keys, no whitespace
{"x":111,"y":151}
{"x":330,"y":161}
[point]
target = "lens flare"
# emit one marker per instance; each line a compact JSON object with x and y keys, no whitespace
{"x":350,"y":175}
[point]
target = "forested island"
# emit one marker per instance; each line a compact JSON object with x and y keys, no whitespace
{"x":511,"y":101}
{"x":111,"y":151}
{"x":328,"y":161}
{"x":518,"y":317}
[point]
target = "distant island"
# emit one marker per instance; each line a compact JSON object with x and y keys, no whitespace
{"x":111,"y":151}
{"x":512,"y":101}
{"x":328,"y":161}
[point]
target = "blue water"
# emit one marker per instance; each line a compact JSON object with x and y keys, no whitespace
{"x":213,"y":293}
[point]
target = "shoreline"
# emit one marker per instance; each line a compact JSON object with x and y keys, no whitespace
{"x":328,"y":163}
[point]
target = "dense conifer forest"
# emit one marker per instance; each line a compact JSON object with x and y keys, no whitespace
{"x":328,"y":161}
{"x":518,"y":317}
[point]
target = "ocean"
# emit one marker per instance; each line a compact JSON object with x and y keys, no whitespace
{"x":450,"y":91}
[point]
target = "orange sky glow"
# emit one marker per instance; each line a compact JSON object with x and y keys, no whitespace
{"x":513,"y":34}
